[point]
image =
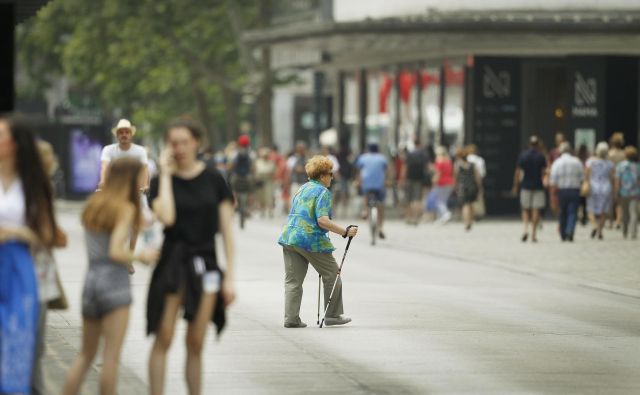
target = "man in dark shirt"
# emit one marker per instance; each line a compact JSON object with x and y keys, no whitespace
{"x":528,"y":177}
{"x":414,"y":177}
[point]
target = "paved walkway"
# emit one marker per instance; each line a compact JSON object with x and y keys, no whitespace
{"x":612,"y":264}
{"x":434,"y":311}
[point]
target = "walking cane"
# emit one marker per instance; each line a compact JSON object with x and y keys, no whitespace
{"x":337,"y":277}
{"x":319,"y":285}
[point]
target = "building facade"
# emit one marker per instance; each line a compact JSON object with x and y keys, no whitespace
{"x":491,"y":72}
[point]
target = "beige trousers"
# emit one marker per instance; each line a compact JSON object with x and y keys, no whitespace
{"x":296,"y":263}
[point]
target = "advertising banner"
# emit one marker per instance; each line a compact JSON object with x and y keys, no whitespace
{"x":85,"y":161}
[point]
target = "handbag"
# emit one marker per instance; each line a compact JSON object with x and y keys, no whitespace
{"x":585,"y":188}
{"x":61,"y":302}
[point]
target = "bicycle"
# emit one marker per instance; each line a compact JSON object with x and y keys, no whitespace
{"x":372,"y":208}
{"x":242,"y":187}
{"x":242,"y":207}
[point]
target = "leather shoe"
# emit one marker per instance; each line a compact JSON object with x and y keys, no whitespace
{"x":341,"y":320}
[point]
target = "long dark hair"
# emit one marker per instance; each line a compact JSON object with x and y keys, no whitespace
{"x":35,"y":183}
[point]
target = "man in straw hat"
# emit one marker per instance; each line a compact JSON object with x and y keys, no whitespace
{"x":124,"y":132}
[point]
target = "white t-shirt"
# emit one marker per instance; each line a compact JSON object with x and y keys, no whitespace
{"x":113,"y":152}
{"x":478,"y":162}
{"x":12,"y":205}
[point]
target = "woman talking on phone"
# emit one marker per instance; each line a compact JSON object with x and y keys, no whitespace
{"x":193,"y":203}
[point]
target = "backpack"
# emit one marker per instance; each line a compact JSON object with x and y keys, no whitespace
{"x":242,"y":164}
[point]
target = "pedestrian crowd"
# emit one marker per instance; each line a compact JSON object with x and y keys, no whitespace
{"x":580,"y":187}
{"x":191,"y":201}
{"x":193,"y":193}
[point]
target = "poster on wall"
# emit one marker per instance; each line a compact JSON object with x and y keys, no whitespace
{"x":586,"y":137}
{"x":85,"y":161}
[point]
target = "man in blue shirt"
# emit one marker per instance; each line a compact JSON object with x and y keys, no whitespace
{"x":372,"y":177}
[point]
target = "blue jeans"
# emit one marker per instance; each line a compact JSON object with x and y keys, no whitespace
{"x":569,"y":201}
{"x":443,"y":193}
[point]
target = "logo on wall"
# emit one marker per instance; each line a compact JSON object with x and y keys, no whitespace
{"x":585,"y":96}
{"x":496,"y":84}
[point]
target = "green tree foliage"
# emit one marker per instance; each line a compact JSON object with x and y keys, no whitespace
{"x":153,"y":59}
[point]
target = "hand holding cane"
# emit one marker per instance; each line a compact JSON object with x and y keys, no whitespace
{"x":338,"y":274}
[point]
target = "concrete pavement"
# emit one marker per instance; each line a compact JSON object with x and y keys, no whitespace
{"x":434,"y":311}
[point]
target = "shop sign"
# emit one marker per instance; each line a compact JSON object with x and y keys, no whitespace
{"x":585,"y":98}
{"x":496,"y":84}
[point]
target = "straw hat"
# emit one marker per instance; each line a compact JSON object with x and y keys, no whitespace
{"x":124,"y":124}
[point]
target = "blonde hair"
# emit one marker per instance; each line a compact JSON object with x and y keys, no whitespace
{"x":48,"y":156}
{"x":121,"y":187}
{"x":602,"y":150}
{"x":317,"y":166}
{"x":631,"y":153}
{"x":441,"y":151}
{"x":617,"y":140}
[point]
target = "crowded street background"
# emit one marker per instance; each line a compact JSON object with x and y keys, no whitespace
{"x":462,"y":178}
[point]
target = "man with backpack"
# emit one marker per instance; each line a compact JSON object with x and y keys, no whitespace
{"x":241,"y":168}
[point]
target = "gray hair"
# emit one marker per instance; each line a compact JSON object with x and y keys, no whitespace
{"x":602,"y":150}
{"x":565,"y":147}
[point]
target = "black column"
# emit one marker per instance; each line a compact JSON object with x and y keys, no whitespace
{"x":343,"y":135}
{"x":419,"y":105}
{"x":443,"y":87}
{"x":362,"y":110}
{"x":398,"y":108}
{"x":7,"y":56}
{"x":318,"y":107}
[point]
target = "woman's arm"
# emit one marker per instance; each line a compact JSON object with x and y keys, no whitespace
{"x":225,"y":213}
{"x":327,"y":224}
{"x":19,"y":233}
{"x":164,"y":205}
{"x":118,"y":250}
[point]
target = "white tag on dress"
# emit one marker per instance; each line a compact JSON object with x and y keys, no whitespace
{"x":211,"y":282}
{"x":198,"y":265}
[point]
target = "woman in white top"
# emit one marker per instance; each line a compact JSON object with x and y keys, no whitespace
{"x":26,"y":220}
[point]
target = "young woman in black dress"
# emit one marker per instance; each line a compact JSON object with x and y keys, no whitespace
{"x":194,"y":203}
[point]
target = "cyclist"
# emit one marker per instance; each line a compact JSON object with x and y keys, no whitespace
{"x":241,"y":172}
{"x":372,"y":177}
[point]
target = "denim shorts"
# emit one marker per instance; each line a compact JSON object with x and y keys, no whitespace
{"x":106,"y":288}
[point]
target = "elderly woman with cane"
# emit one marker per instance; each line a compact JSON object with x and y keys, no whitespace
{"x":304,"y":240}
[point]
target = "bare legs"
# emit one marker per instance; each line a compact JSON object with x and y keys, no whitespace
{"x":196,"y":332}
{"x":164,"y":336}
{"x":533,"y":216}
{"x":467,"y":215}
{"x":113,"y":328}
{"x":195,"y":340}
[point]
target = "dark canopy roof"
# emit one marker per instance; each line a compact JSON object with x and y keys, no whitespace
{"x":25,"y":8}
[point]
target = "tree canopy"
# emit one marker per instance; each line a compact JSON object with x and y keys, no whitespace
{"x":153,"y":60}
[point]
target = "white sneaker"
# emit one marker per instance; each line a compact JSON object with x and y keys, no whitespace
{"x":340,"y":320}
{"x":445,"y":218}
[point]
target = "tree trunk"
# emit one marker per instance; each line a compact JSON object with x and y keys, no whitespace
{"x":202,"y":105}
{"x":265,"y":99}
{"x":231,"y":105}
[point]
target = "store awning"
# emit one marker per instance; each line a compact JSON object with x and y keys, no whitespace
{"x":438,"y":36}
